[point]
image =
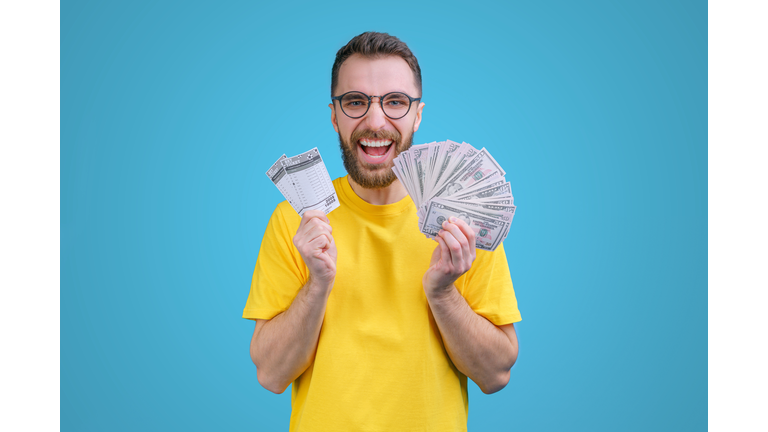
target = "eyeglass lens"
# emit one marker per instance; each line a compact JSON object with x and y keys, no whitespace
{"x":395,"y":105}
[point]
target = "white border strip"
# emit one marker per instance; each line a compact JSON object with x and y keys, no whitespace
{"x":738,"y":144}
{"x":29,"y":215}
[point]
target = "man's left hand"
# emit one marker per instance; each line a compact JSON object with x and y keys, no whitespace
{"x":452,"y":257}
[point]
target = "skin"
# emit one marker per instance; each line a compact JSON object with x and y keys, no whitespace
{"x":376,"y":77}
{"x":282,"y":348}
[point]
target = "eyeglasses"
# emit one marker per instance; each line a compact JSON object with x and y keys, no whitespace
{"x":355,"y":104}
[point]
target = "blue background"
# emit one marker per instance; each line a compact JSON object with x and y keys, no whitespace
{"x":171,"y":112}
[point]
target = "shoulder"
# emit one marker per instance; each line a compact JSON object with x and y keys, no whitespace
{"x":498,"y":255}
{"x":489,"y":269}
{"x":284,"y":218}
{"x":284,"y":210}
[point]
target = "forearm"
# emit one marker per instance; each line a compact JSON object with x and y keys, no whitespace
{"x":478,"y":348}
{"x":285,"y":345}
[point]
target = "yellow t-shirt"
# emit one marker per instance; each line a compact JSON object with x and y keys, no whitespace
{"x":380,"y":363}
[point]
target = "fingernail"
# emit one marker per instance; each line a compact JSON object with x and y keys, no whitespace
{"x":452,"y":219}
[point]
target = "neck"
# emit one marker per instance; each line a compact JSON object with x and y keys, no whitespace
{"x":388,"y":195}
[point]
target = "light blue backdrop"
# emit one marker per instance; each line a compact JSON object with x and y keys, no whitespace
{"x":171,"y":112}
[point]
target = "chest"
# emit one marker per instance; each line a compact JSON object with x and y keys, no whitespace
{"x":380,"y":266}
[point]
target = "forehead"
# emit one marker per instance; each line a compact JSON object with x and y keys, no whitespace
{"x":376,"y":76}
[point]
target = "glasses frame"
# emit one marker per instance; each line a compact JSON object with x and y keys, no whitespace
{"x":381,"y":103}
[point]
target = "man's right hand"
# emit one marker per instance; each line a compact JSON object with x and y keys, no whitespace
{"x":315,"y":243}
{"x":283,"y":347}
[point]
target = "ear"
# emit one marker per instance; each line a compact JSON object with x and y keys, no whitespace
{"x":417,"y":122}
{"x":333,"y":118}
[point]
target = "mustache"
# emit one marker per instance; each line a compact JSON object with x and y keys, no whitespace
{"x":382,"y":134}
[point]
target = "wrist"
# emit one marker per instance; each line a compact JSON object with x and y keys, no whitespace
{"x":439,"y":293}
{"x":319,"y":286}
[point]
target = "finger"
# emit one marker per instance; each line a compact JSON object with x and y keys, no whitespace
{"x":321,"y":216}
{"x":445,"y":254}
{"x":325,"y":258}
{"x":458,"y":234}
{"x":469,"y":233}
{"x":312,"y":214}
{"x":313,"y":225}
{"x":454,"y":248}
{"x":320,"y":243}
{"x":315,"y":229}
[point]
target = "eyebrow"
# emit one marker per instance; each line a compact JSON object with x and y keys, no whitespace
{"x":391,"y":91}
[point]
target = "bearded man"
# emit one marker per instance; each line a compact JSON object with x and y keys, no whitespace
{"x":376,"y":326}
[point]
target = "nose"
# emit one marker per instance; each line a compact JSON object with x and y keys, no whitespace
{"x":375,"y":118}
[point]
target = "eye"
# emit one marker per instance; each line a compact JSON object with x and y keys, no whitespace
{"x":355,"y":100}
{"x":397,"y":100}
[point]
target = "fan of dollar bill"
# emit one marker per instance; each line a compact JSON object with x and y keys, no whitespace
{"x":447,"y":179}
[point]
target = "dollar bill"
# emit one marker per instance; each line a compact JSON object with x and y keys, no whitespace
{"x":500,"y":188}
{"x":489,"y":231}
{"x":479,"y":168}
{"x":506,"y":206}
{"x":444,"y":161}
{"x":447,"y":179}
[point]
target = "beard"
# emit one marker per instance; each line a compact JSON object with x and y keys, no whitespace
{"x":372,"y":176}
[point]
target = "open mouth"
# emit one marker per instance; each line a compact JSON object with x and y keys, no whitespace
{"x":375,"y":150}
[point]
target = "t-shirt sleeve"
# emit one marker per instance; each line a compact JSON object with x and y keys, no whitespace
{"x":487,"y":287}
{"x":280,"y":271}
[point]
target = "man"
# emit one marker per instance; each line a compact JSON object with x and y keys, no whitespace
{"x":377,"y":327}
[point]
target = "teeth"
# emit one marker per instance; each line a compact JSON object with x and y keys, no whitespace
{"x":368,"y":143}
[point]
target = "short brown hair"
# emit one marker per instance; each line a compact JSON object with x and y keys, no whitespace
{"x":374,"y":45}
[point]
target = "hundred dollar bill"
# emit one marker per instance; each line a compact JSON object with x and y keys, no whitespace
{"x":496,"y":212}
{"x":455,"y":161}
{"x":489,"y":231}
{"x":505,"y":206}
{"x":506,"y":199}
{"x":457,"y":175}
{"x":402,"y":172}
{"x":494,"y":178}
{"x":481,"y":166}
{"x":463,"y":155}
{"x":492,"y":210}
{"x":444,"y":161}
{"x":419,"y":157}
{"x":431,"y":161}
{"x":496,"y":189}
